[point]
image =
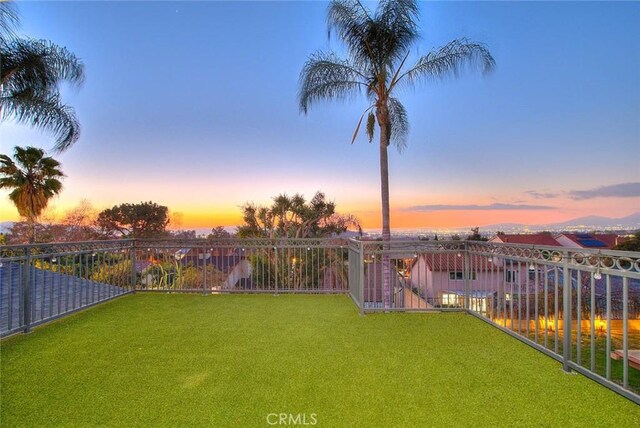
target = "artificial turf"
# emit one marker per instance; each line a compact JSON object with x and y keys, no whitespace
{"x":231,"y":360}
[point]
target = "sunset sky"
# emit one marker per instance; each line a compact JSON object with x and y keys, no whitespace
{"x":194,"y":106}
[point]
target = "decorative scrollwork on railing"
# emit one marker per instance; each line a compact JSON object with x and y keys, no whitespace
{"x":589,"y":259}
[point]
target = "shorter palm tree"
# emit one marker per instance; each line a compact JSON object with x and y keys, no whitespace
{"x":33,"y":179}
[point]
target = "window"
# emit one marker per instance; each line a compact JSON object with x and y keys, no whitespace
{"x":458,"y":276}
{"x":478,"y":304}
{"x":510,"y":275}
{"x":455,"y":276}
{"x":449,"y":299}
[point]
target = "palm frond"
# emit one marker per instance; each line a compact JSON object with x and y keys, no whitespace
{"x":9,"y":20}
{"x":449,"y":60}
{"x":350,"y":20}
{"x":398,"y":124}
{"x":399,"y":20}
{"x":325,"y":76}
{"x":355,"y":133}
{"x":47,"y":114}
{"x":30,"y":76}
{"x":39,"y":64}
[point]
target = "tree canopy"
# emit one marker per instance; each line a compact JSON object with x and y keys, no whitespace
{"x":143,"y":220}
{"x":631,"y":244}
{"x":294,"y":217}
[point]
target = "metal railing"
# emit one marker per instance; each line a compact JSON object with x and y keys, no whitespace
{"x":591,"y":325}
{"x":244,"y":266}
{"x":42,"y":282}
{"x":580,"y":306}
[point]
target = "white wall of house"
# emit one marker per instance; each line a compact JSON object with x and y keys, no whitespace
{"x":566,"y":242}
{"x":434,"y":283}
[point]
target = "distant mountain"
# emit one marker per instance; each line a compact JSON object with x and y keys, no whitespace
{"x":633,"y":218}
{"x":588,"y":222}
{"x":628,"y":222}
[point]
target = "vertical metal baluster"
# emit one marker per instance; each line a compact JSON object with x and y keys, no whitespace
{"x":546,"y":307}
{"x":625,"y":331}
{"x":555,"y":309}
{"x":566,"y":312}
{"x":47,"y":275}
{"x":277,"y":268}
{"x":10,"y":295}
{"x":504,"y":293}
{"x":528,"y":291}
{"x":26,"y":298}
{"x":579,"y":317}
{"x":511,"y":296}
{"x":608,"y":354}
{"x":536,"y":308}
{"x":593,"y":321}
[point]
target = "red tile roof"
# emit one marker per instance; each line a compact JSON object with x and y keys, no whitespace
{"x":529,"y":239}
{"x":609,"y":239}
{"x":452,"y":262}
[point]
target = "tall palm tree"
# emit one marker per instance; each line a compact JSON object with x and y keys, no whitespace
{"x":33,"y":179}
{"x":378,"y":47}
{"x":31,"y":72}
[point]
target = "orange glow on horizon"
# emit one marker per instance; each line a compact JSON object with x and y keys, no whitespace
{"x":199,"y":216}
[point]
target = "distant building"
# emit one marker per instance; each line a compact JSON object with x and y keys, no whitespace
{"x":439,"y":277}
{"x":527,"y":239}
{"x":589,"y":240}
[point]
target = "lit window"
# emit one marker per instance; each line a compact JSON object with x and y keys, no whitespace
{"x":478,"y":304}
{"x":449,"y":299}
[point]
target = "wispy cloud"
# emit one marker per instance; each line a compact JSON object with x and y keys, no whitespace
{"x":541,"y":195}
{"x":474,"y":207}
{"x":623,"y":190}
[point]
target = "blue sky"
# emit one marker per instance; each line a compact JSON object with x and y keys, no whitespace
{"x":193,"y":105}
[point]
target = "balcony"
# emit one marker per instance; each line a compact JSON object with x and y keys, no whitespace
{"x":231,"y":332}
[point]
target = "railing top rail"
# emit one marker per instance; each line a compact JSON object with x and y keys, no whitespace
{"x":571,"y":250}
{"x":473,"y":246}
{"x":233,"y":240}
{"x":110,"y":242}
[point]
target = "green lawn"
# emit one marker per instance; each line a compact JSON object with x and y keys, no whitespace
{"x":189,"y":360}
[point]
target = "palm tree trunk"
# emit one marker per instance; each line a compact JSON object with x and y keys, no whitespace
{"x":32,"y":229}
{"x":386,"y":229}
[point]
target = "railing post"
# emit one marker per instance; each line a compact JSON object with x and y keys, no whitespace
{"x":204,"y":271}
{"x":566,"y":312}
{"x":467,"y":273}
{"x":361,"y":276}
{"x":275,"y":247}
{"x":26,"y":291}
{"x":134,"y":278}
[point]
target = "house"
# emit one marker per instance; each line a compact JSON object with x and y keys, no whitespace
{"x":589,"y":240}
{"x":439,"y":277}
{"x":527,"y":239}
{"x":231,"y":262}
